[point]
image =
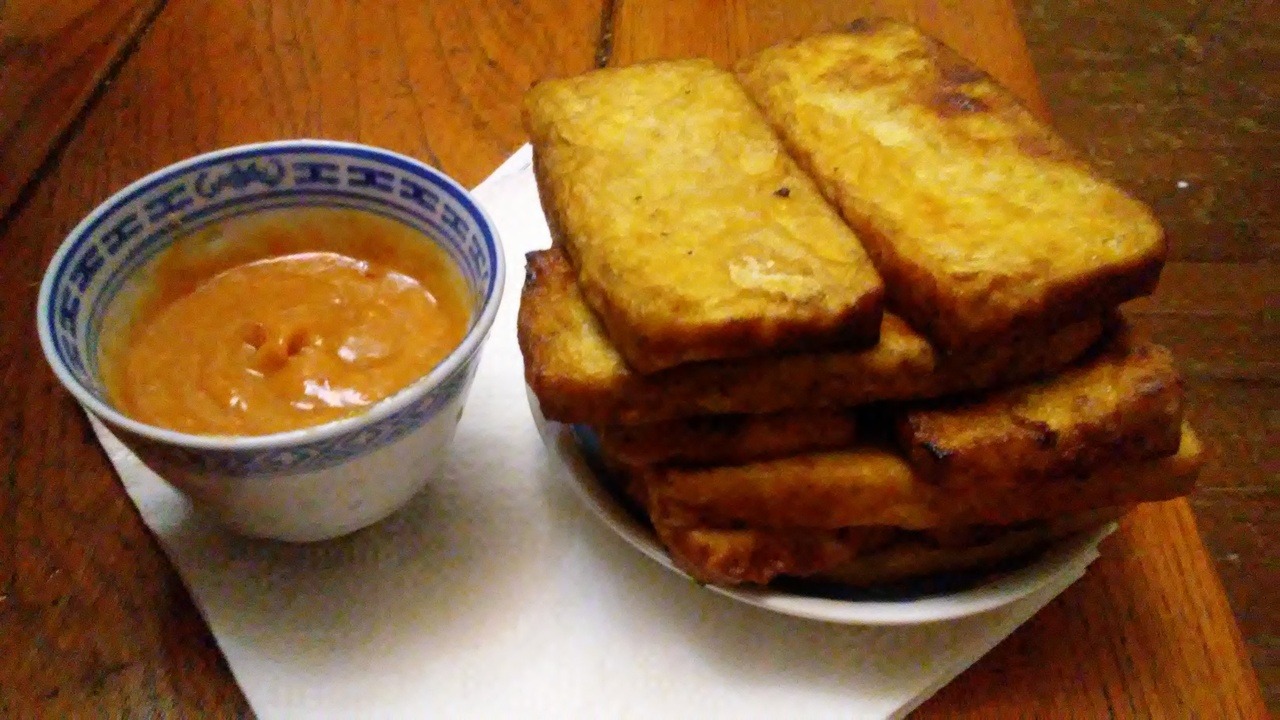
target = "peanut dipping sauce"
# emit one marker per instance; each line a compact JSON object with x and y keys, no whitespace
{"x":283,"y":321}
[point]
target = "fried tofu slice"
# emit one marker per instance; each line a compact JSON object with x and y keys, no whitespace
{"x":981,"y":220}
{"x":693,"y":234}
{"x":857,"y":556}
{"x":875,"y":486}
{"x":856,"y":486}
{"x":728,"y":439}
{"x":735,"y":556}
{"x":1127,"y":483}
{"x":579,"y":377}
{"x":1122,"y":404}
{"x":922,"y":555}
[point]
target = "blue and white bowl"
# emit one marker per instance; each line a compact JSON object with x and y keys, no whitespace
{"x":318,"y":482}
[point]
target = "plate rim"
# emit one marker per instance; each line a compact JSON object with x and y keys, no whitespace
{"x":1072,"y":555}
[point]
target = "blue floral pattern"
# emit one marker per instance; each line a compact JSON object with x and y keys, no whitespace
{"x":122,"y":237}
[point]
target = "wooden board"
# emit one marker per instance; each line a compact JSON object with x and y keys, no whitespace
{"x":1193,"y":86}
{"x":53,"y":56}
{"x":107,"y":626}
{"x":725,"y":30}
{"x":1175,"y":99}
{"x":1145,"y":634}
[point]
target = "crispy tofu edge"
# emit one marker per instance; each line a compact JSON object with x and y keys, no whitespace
{"x":857,"y":326}
{"x":729,"y":439}
{"x":683,"y":496}
{"x":912,"y":290}
{"x":622,"y":397}
{"x":1146,"y":423}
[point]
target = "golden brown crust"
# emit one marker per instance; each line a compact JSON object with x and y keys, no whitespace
{"x":729,"y":439}
{"x":982,"y":221}
{"x":859,"y":556}
{"x":871,"y":486}
{"x":1128,"y":483}
{"x":1122,"y":404}
{"x":578,"y":376}
{"x":693,"y":235}
{"x":922,"y":556}
{"x":735,"y":556}
{"x":856,"y":486}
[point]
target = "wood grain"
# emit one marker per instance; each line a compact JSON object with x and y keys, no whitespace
{"x":106,"y":627}
{"x":441,"y":81}
{"x":1135,"y":639}
{"x":52,"y":58}
{"x":1193,"y":85}
{"x":725,"y":30}
{"x":1174,"y":98}
{"x":1236,"y":327}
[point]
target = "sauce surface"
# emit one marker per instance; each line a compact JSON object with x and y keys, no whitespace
{"x":293,"y":320}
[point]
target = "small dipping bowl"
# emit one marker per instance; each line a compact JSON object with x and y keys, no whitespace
{"x":303,"y":485}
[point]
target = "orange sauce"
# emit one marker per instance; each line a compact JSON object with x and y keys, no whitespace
{"x":281,"y":322}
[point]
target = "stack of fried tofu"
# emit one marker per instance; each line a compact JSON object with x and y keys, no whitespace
{"x":848,"y":312}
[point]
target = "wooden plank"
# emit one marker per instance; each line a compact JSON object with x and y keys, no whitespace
{"x":96,"y":623}
{"x":725,"y":30}
{"x":440,"y":81}
{"x":52,"y":57}
{"x":1222,"y":320}
{"x":1240,"y":530}
{"x":1143,"y":635}
{"x":1240,"y":423}
{"x":1192,"y":86}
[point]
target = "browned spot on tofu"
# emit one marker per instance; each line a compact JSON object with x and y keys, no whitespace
{"x":863,"y":25}
{"x":1035,"y":146}
{"x":960,"y":73}
{"x":953,"y":103}
{"x":938,"y":452}
{"x":860,"y":72}
{"x":1151,"y":386}
{"x":1044,"y":436}
{"x":533,"y":260}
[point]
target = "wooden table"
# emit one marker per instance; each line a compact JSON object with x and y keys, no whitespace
{"x":92,"y":618}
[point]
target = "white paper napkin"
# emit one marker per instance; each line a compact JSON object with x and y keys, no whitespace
{"x":495,"y":595}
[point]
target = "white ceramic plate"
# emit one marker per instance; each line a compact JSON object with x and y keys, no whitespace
{"x":1068,"y":557}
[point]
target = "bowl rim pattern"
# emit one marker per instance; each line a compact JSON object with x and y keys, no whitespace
{"x":393,"y":406}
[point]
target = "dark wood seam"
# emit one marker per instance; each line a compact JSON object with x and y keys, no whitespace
{"x":73,"y":127}
{"x":604,"y":45}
